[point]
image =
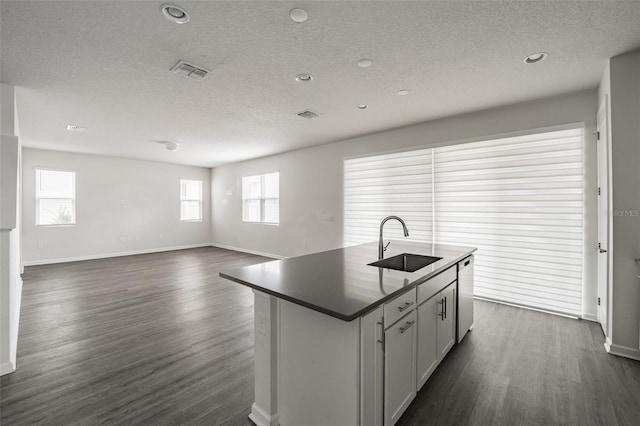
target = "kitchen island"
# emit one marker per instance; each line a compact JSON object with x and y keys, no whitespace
{"x":341,"y":342}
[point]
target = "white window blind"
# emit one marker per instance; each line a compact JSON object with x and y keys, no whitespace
{"x":383,"y":185}
{"x":261,"y":198}
{"x":55,"y":197}
{"x":519,"y":200}
{"x":190,"y":200}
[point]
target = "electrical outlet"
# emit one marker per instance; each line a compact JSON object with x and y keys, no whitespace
{"x":40,"y":246}
{"x":327,"y":217}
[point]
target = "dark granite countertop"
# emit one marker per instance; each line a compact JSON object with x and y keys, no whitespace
{"x":340,"y":283}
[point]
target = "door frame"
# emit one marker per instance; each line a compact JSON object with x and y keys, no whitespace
{"x":603,"y":170}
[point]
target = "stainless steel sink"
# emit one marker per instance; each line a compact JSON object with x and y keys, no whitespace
{"x":406,"y":262}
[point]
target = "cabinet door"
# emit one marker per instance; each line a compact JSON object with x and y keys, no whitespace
{"x":400,"y":368}
{"x":427,"y":339}
{"x":446,"y":320}
{"x":371,"y":369}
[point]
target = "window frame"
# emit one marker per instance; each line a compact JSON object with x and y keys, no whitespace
{"x":509,"y":196}
{"x":39,"y":197}
{"x":186,"y":199}
{"x":262,"y":198}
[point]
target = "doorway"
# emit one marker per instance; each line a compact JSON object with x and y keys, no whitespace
{"x":603,"y":215}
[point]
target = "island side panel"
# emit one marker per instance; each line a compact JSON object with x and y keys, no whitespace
{"x":318,"y":368}
{"x":264,"y":411}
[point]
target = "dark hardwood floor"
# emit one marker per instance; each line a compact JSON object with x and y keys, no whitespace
{"x":161,"y":339}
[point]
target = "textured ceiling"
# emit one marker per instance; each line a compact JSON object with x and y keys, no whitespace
{"x":104,"y":65}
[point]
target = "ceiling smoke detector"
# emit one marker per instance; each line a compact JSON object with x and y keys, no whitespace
{"x":308,"y":114}
{"x":191,"y":71}
{"x":170,"y":146}
{"x":78,"y":129}
{"x":174,"y":13}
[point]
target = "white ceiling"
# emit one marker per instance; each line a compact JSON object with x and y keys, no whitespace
{"x":104,"y":65}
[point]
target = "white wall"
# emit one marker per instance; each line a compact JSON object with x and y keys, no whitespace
{"x":123,"y":206}
{"x":10,"y":262}
{"x":311,"y":180}
{"x":621,"y":82}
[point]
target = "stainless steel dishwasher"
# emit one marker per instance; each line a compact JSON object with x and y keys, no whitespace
{"x":465,"y":296}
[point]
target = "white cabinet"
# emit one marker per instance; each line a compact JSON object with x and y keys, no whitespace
{"x":371,"y":369}
{"x":399,"y":367}
{"x":427,"y":339}
{"x":367,"y":370}
{"x":436,"y":331}
{"x":447,"y":321}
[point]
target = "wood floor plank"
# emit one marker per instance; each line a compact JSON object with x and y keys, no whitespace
{"x":161,"y":339}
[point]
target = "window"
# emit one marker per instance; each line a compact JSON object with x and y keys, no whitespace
{"x":190,"y":200}
{"x":55,"y":197}
{"x":261,"y":198}
{"x":384,"y":185}
{"x":519,"y":200}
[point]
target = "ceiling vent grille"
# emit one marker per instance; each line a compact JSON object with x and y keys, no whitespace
{"x":191,"y":71}
{"x":308,"y":114}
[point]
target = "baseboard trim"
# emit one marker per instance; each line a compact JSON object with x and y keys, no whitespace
{"x":7,"y":367}
{"x":590,"y":317}
{"x":531,"y":308}
{"x":257,"y":253}
{"x":118,"y":254}
{"x":261,"y":418}
{"x":623,"y":351}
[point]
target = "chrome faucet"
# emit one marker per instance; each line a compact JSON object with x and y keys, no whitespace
{"x":381,"y":247}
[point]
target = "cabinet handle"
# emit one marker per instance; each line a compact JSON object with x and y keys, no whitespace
{"x":406,"y":305}
{"x":406,"y":327}
{"x":444,"y":305}
{"x":381,"y":332}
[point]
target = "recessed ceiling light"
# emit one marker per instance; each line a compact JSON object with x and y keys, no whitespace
{"x":304,"y":78}
{"x":298,"y":15}
{"x":362,"y":106}
{"x":308,"y":114}
{"x":403,"y":92}
{"x":73,"y":128}
{"x":365,"y":63}
{"x":174,"y":13}
{"x":535,"y":58}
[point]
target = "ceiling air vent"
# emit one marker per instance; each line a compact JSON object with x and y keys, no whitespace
{"x":188,"y":70}
{"x":308,"y":114}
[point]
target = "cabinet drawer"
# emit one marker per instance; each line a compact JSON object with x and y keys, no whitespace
{"x":399,"y":307}
{"x":434,"y":285}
